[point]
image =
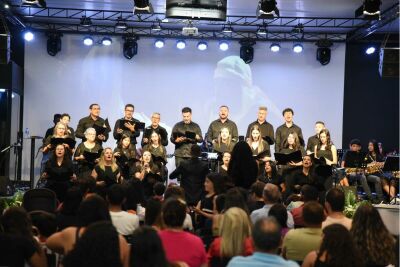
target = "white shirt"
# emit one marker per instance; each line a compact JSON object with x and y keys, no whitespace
{"x":124,"y":222}
{"x":346,"y":222}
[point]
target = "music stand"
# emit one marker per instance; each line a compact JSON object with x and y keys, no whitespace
{"x":391,"y":165}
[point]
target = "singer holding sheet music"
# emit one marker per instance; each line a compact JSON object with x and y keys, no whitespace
{"x":92,"y":121}
{"x":125,"y":153}
{"x":126,"y":125}
{"x":266,"y":128}
{"x":292,"y":144}
{"x":59,"y":137}
{"x":184,"y":135}
{"x":224,"y":141}
{"x":215,"y":127}
{"x":155,"y":126}
{"x":157,"y":150}
{"x":282,"y":132}
{"x":325,"y":148}
{"x":92,"y":151}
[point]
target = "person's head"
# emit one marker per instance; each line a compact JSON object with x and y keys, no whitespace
{"x":155,"y":119}
{"x":98,"y":237}
{"x":94,"y":110}
{"x":116,"y":195}
{"x":267,"y":235}
{"x":262,"y":114}
{"x":152,"y":216}
{"x":147,"y":249}
{"x":215,"y":183}
{"x":292,"y":141}
{"x":236,"y":197}
{"x":373,"y":146}
{"x":319,"y":125}
{"x":307,"y":161}
{"x":65,"y":118}
{"x":159,"y":189}
{"x":255,"y":133}
{"x":355,"y":145}
{"x":235,"y":227}
{"x":107,"y":159}
{"x":60,"y":130}
{"x":125,"y":141}
{"x":174,"y":191}
{"x":226,"y":157}
{"x":56,"y":118}
{"x":334,"y":200}
{"x":87,"y":185}
{"x":129,"y":110}
{"x":224,"y":134}
{"x":287,"y":114}
{"x":174,"y":213}
{"x":270,"y":167}
{"x":155,"y":138}
{"x":279,"y":212}
{"x":16,"y":221}
{"x":309,"y":193}
{"x":59,"y":151}
{"x":313,"y":214}
{"x":73,"y":199}
{"x":92,"y":209}
{"x":271,"y":194}
{"x":146,"y":157}
{"x":223,"y":112}
{"x":44,"y":223}
{"x":257,"y":189}
{"x":325,"y":137}
{"x":195,"y":151}
{"x":187,"y":115}
{"x":90,"y":134}
{"x":338,"y":246}
{"x":219,"y":203}
{"x":372,"y":237}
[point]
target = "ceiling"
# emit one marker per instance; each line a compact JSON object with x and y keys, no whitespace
{"x":333,"y":20}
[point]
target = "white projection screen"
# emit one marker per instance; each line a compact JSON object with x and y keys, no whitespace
{"x":166,"y":80}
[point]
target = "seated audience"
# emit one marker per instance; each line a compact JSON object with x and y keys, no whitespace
{"x":337,"y":249}
{"x":152,"y":216}
{"x":334,"y":207}
{"x":236,"y":197}
{"x":271,"y":195}
{"x":308,"y":193}
{"x":44,"y":224}
{"x":174,"y":191}
{"x":159,"y":190}
{"x":178,"y":244}
{"x":267,"y":240}
{"x":256,"y":200}
{"x":100,"y":246}
{"x":234,"y":238}
{"x":279,"y":212}
{"x":124,"y":222}
{"x":67,"y":213}
{"x":299,"y":242}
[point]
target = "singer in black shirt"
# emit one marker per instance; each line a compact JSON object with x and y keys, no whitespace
{"x":215,"y":127}
{"x":283,"y":131}
{"x":155,"y":126}
{"x":89,"y":121}
{"x":265,"y":127}
{"x":126,"y":126}
{"x":314,"y":140}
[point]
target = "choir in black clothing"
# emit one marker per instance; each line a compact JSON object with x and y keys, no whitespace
{"x":109,"y":167}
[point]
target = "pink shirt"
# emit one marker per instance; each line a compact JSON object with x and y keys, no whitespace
{"x":183,"y":246}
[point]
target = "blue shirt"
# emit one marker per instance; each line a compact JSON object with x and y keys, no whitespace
{"x":259,"y":259}
{"x":263,"y":213}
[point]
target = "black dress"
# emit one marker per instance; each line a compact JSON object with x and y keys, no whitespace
{"x":85,"y":167}
{"x":126,"y":159}
{"x":59,"y":177}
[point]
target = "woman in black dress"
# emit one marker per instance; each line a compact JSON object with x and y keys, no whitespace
{"x":85,"y":166}
{"x":158,"y":153}
{"x":259,"y":147}
{"x":125,"y":153}
{"x":224,"y":141}
{"x":106,"y":172}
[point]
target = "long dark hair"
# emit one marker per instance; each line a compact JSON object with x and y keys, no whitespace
{"x":376,"y":149}
{"x":53,"y":158}
{"x":218,"y":182}
{"x":296,"y":145}
{"x":98,"y":246}
{"x":328,"y":139}
{"x":93,"y":209}
{"x":147,"y":249}
{"x":339,"y":247}
{"x":73,"y":199}
{"x":242,"y":168}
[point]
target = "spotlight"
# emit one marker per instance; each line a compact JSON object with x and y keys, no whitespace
{"x":142,"y":7}
{"x":39,"y":3}
{"x":53,"y":43}
{"x":247,"y":50}
{"x":370,"y":9}
{"x":159,"y":43}
{"x":6,"y":6}
{"x":106,"y":41}
{"x":275,"y":47}
{"x":180,"y":44}
{"x":267,"y":9}
{"x":297,"y":48}
{"x":28,"y":36}
{"x":262,"y":30}
{"x":130,"y":47}
{"x":323,"y":51}
{"x":86,"y":22}
{"x":370,"y":50}
{"x":88,"y":41}
{"x":202,"y":46}
{"x":227,"y":28}
{"x":223,"y":45}
{"x":121,"y":24}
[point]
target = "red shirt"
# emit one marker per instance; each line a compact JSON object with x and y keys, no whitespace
{"x":215,"y":248}
{"x":298,"y":216}
{"x":183,"y":246}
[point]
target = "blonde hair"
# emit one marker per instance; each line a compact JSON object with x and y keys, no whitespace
{"x":234,"y":229}
{"x":102,"y":163}
{"x":219,"y":141}
{"x":58,"y":125}
{"x":263,"y":108}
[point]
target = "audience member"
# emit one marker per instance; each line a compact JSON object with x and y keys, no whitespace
{"x":256,"y":200}
{"x":175,"y":191}
{"x":67,"y":213}
{"x":308,"y":193}
{"x":153,"y":214}
{"x":279,"y":212}
{"x":44,"y":224}
{"x":334,"y":207}
{"x":159,"y":190}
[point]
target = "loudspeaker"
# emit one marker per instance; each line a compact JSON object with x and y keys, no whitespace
{"x":4,"y":182}
{"x":389,"y":62}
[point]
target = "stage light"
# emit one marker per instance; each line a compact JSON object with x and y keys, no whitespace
{"x":130,"y":47}
{"x":39,"y":3}
{"x":202,"y":46}
{"x":142,"y":7}
{"x":6,"y":6}
{"x":223,"y":45}
{"x":53,"y":43}
{"x":180,"y":44}
{"x":2,"y":90}
{"x":86,"y":22}
{"x":324,"y":55}
{"x":267,"y":9}
{"x":227,"y":28}
{"x":28,"y":36}
{"x":88,"y":41}
{"x":370,"y":9}
{"x":121,"y":24}
{"x":262,"y":30}
{"x":247,"y":50}
{"x":106,"y":41}
{"x":275,"y":47}
{"x":159,"y":43}
{"x":370,"y":50}
{"x":297,"y":48}
{"x":156,"y":27}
